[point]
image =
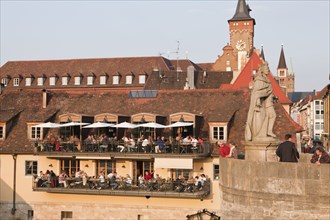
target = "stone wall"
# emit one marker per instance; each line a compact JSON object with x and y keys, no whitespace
{"x":49,"y":210}
{"x":274,"y":190}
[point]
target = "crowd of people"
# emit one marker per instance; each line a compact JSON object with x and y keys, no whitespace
{"x":287,"y":151}
{"x":150,"y":181}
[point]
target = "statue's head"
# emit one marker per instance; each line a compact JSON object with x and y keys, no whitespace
{"x":263,"y":68}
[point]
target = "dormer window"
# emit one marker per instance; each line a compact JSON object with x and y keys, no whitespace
{"x":103,"y":80}
{"x":65,"y":80}
{"x":142,"y":79}
{"x":16,"y":81}
{"x":77,"y":80}
{"x":4,"y":81}
{"x":129,"y":79}
{"x":40,"y":81}
{"x":28,"y":81}
{"x":90,"y":80}
{"x":115,"y":80}
{"x":52,"y":80}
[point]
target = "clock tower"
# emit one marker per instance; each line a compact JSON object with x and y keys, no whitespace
{"x":241,"y":29}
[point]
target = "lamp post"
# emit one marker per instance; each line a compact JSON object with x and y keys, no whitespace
{"x":13,"y":210}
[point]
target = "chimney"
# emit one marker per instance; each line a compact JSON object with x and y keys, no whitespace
{"x":191,"y":77}
{"x":44,"y":98}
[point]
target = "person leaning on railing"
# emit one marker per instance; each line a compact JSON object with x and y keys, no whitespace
{"x":320,"y":156}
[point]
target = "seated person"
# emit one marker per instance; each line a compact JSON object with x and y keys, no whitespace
{"x":128,"y":181}
{"x":160,"y":145}
{"x":131,"y":144}
{"x":104,"y":143}
{"x":144,"y":144}
{"x":61,"y":179}
{"x":320,"y":156}
{"x":101,"y":181}
{"x":113,"y":183}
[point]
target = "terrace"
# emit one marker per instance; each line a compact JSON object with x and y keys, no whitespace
{"x":152,"y":188}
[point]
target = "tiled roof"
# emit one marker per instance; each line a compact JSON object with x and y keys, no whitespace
{"x":86,"y":67}
{"x":173,"y":80}
{"x":8,"y":114}
{"x":213,"y":104}
{"x":244,"y":78}
{"x":320,"y":94}
{"x":297,"y":96}
{"x":205,"y":66}
{"x":184,"y":64}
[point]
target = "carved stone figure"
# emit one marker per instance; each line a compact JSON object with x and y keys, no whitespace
{"x":261,"y":115}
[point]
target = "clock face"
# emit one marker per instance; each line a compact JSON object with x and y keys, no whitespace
{"x":240,"y":45}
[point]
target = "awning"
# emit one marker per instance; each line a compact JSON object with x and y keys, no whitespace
{"x":173,"y":163}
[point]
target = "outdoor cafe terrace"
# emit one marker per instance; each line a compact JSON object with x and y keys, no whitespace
{"x":152,"y":188}
{"x":55,"y":145}
{"x":120,"y":149}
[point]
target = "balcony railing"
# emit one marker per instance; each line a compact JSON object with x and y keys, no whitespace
{"x":152,"y":188}
{"x":120,"y":148}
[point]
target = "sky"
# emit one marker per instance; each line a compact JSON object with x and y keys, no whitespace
{"x":47,"y":30}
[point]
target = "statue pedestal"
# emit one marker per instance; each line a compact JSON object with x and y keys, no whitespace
{"x":261,"y":150}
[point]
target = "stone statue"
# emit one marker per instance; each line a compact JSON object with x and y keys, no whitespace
{"x":261,"y":115}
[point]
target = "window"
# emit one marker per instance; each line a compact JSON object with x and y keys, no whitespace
{"x":282,"y":73}
{"x":181,"y":172}
{"x":52,"y":81}
{"x":77,"y":80}
{"x":28,"y":81}
{"x":66,"y":214}
{"x":218,"y":133}
{"x":31,"y":167}
{"x":103,"y":80}
{"x":4,"y":81}
{"x":107,"y":165}
{"x":142,"y":79}
{"x":129,"y":79}
{"x":40,"y":81}
{"x":30,"y":214}
{"x":16,"y":82}
{"x":35,"y":133}
{"x":215,"y":171}
{"x":70,"y":166}
{"x":90,"y":80}
{"x":1,"y":132}
{"x":115,"y":80}
{"x":65,"y":80}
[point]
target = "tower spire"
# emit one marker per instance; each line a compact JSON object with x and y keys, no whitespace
{"x":262,"y":55}
{"x":282,"y":63}
{"x":242,"y":12}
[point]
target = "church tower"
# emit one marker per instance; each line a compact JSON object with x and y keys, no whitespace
{"x":241,"y":28}
{"x":285,"y":78}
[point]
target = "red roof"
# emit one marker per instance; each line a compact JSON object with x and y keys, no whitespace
{"x":245,"y":77}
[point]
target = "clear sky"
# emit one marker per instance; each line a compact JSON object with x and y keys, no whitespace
{"x":43,"y":30}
